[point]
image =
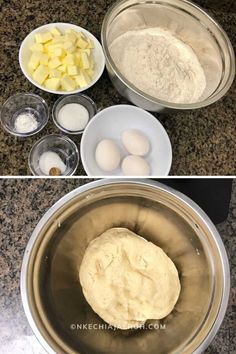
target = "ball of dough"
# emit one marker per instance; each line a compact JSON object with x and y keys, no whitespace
{"x":107,"y":155}
{"x":135,"y":166}
{"x":135,"y":142}
{"x":128,"y":280}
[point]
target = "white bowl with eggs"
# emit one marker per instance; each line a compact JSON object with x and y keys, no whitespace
{"x":110,"y":125}
{"x":25,"y":53}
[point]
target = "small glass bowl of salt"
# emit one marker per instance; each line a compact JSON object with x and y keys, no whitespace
{"x":72,"y":113}
{"x":53,"y":155}
{"x":24,"y":114}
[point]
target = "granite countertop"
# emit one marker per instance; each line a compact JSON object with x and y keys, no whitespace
{"x":23,"y":203}
{"x":203,"y":140}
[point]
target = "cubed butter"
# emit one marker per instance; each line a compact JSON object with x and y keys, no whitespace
{"x":50,"y":48}
{"x":62,"y":61}
{"x":43,"y":58}
{"x":54,"y":63}
{"x":34,"y":60}
{"x":62,"y":68}
{"x":70,"y":30}
{"x":85,"y":60}
{"x":68,"y":84}
{"x":58,"y":40}
{"x":55,"y":32}
{"x":43,"y":37}
{"x":71,"y":37}
{"x":54,"y":46}
{"x":69,"y":59}
{"x":81,"y":43}
{"x":80,"y":65}
{"x":67,"y":45}
{"x":78,"y":59}
{"x":72,"y":70}
{"x":58,"y":52}
{"x":53,"y":84}
{"x":80,"y":35}
{"x":41,"y":73}
{"x":82,"y":79}
{"x":90,"y":44}
{"x":87,"y":51}
{"x":91,"y":63}
{"x":31,"y":70}
{"x":46,"y":46}
{"x":37,"y":47}
{"x":55,"y":73}
{"x":90,"y":73}
{"x":72,"y":49}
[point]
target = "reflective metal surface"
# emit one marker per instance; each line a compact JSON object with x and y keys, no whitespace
{"x":186,"y":21}
{"x":50,"y":288}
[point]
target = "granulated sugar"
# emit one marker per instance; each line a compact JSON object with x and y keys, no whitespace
{"x":159,"y":64}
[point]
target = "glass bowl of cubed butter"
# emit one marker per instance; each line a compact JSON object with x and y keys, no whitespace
{"x":61,"y":58}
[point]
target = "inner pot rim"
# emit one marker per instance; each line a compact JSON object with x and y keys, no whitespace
{"x":26,"y":292}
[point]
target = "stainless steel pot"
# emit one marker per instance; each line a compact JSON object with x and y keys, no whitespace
{"x":188,"y":22}
{"x":51,"y":293}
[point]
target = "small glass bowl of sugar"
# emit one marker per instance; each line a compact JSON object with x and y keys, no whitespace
{"x":24,"y":114}
{"x":72,"y":113}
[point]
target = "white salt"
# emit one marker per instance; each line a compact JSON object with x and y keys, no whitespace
{"x":50,"y":159}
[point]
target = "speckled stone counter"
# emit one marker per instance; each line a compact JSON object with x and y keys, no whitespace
{"x":23,"y":202}
{"x":203,"y":140}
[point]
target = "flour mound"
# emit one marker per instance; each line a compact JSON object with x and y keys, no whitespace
{"x":128,"y":280}
{"x":159,"y":64}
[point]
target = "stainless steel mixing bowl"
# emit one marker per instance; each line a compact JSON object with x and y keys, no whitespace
{"x":50,"y":288}
{"x":188,"y":22}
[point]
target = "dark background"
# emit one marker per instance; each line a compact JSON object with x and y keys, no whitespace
{"x":211,"y":194}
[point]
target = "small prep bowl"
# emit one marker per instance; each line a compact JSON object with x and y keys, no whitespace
{"x":24,"y":102}
{"x":84,"y":100}
{"x":60,"y":144}
{"x":110,"y":123}
{"x":25,"y":53}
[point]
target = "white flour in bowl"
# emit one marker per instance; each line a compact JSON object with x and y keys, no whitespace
{"x":159,"y":64}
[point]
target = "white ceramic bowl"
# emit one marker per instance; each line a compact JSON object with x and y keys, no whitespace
{"x":110,"y":123}
{"x":25,"y":53}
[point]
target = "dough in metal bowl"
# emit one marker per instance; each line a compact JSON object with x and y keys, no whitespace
{"x":128,"y":280}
